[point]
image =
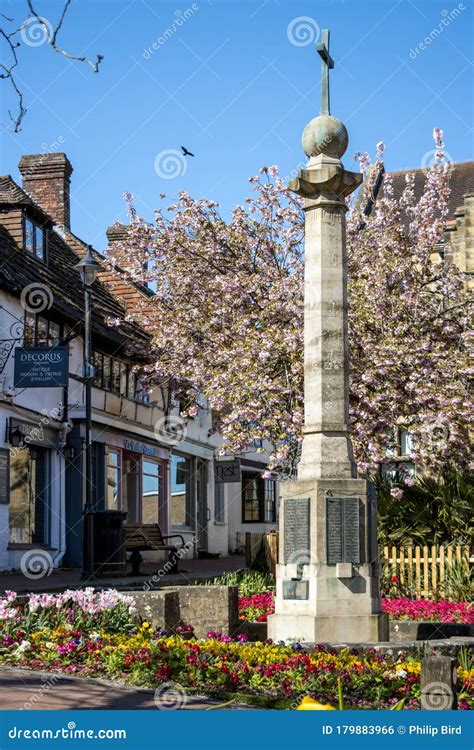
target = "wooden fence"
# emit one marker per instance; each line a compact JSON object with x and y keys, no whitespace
{"x":262,"y":544}
{"x":421,"y":570}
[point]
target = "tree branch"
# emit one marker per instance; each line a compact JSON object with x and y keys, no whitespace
{"x":51,"y":35}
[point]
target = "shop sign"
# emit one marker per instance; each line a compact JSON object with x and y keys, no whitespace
{"x":41,"y":367}
{"x":228,"y":471}
{"x":138,"y":447}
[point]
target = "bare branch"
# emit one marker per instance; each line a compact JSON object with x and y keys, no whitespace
{"x":51,"y":38}
{"x":9,"y":75}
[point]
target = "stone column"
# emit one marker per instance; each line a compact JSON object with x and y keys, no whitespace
{"x":327,"y":576}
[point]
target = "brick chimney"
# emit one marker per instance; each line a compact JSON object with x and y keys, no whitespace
{"x":117,"y":232}
{"x":47,"y":178}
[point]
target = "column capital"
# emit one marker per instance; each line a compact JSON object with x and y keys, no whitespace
{"x":326,"y":182}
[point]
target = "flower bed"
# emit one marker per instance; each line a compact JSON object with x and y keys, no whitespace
{"x":99,"y":635}
{"x":423,"y":610}
{"x":257,"y":608}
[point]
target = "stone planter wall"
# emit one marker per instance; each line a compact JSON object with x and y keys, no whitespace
{"x":256,"y":631}
{"x":204,"y":607}
{"x":411,"y":630}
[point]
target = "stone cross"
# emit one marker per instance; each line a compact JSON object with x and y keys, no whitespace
{"x":327,"y":64}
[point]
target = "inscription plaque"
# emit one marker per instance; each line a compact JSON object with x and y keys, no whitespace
{"x":295,"y":590}
{"x":296,"y":538}
{"x":342,"y":530}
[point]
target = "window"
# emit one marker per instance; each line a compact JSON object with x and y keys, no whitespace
{"x":118,"y":377}
{"x":258,"y":499}
{"x":219,"y":503}
{"x":41,"y":332}
{"x":250,"y":497}
{"x":398,"y":465}
{"x":150,"y":491}
{"x":112,"y":497}
{"x":130,"y":485}
{"x":269,"y":490}
{"x":34,"y":239}
{"x":29,"y":495}
{"x":181,"y":491}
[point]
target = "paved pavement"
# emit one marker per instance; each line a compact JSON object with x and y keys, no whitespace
{"x":21,"y":689}
{"x":61,"y":579}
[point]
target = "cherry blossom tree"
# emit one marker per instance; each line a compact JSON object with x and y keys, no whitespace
{"x":227,"y":317}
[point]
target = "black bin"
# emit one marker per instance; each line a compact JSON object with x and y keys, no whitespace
{"x":109,"y":543}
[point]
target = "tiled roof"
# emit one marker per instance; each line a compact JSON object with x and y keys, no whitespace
{"x":12,"y":194}
{"x":461,"y":182}
{"x":18,"y":269}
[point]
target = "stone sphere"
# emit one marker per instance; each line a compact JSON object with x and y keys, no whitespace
{"x":325,"y":135}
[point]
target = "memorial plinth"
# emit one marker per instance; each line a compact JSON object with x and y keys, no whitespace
{"x":327,"y":576}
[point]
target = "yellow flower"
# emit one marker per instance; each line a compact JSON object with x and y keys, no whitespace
{"x":309,"y":704}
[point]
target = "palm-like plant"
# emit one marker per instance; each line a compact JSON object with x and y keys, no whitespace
{"x":433,"y":510}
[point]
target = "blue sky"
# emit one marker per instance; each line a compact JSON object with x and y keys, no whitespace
{"x":235,"y":82}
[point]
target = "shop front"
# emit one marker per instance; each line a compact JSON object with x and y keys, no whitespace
{"x":31,"y":485}
{"x":129,"y":475}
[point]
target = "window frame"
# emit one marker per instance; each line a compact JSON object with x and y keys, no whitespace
{"x":36,"y":228}
{"x":118,"y":468}
{"x":189,"y":493}
{"x":33,"y":330}
{"x":263,"y":486}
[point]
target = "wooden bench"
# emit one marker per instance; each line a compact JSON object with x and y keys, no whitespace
{"x":141,"y":537}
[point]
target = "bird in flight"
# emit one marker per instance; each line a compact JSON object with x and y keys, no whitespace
{"x":186,"y":152}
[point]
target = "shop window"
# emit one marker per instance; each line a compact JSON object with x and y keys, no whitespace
{"x":219,"y":504}
{"x":259,"y":499}
{"x":150,"y":491}
{"x":181,"y":491}
{"x":112,"y":498}
{"x":29,"y":495}
{"x":34,"y":239}
{"x":130,"y":487}
{"x":251,"y":498}
{"x":270,"y":500}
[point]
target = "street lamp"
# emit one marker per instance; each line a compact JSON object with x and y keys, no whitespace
{"x":88,"y":267}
